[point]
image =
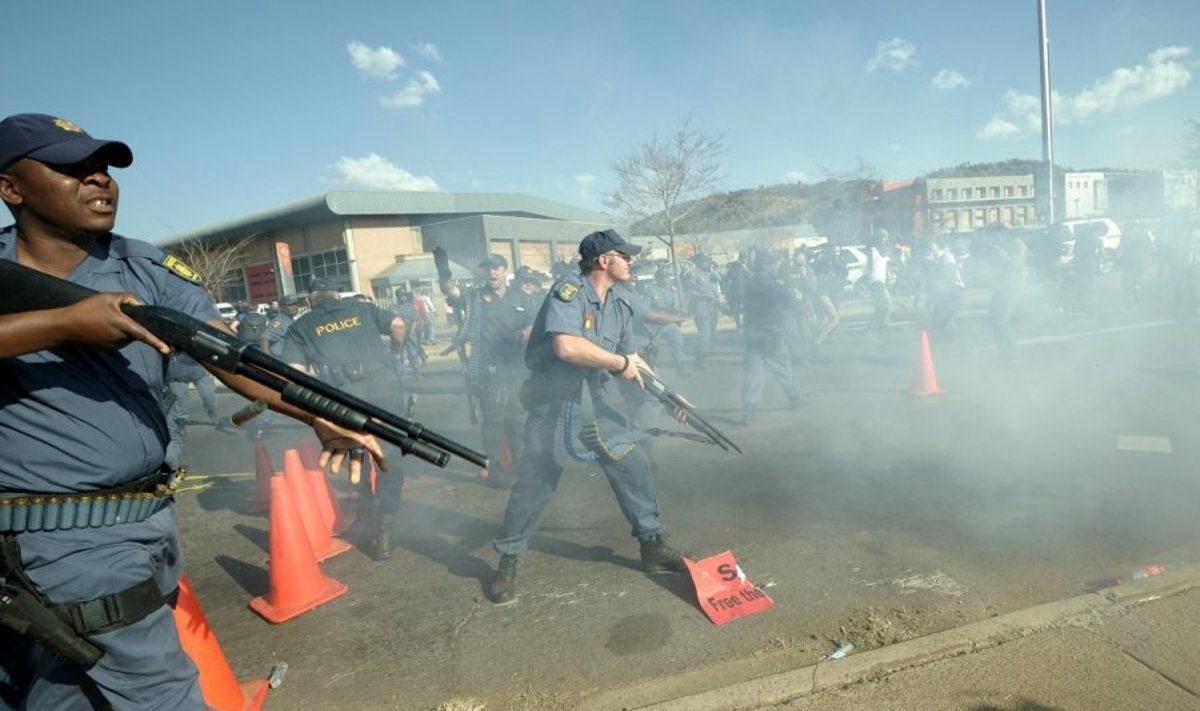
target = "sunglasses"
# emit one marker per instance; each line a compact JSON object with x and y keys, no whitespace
{"x":627,"y":257}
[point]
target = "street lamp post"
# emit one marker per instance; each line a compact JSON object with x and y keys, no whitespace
{"x":1047,"y":111}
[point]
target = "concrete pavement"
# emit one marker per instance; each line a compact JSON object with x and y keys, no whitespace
{"x":1131,"y":647}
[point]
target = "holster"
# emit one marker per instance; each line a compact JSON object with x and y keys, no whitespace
{"x":63,"y":629}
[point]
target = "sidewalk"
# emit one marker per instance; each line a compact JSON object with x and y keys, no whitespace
{"x":1133,"y":647}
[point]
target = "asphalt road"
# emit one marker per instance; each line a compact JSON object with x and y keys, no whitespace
{"x":870,"y":516}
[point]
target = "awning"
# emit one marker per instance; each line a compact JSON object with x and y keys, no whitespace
{"x":417,"y":267}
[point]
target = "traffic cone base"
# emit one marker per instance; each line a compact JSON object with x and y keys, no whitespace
{"x":220,"y":687}
{"x":276,"y":614}
{"x":297,"y":583}
{"x":926,"y":382}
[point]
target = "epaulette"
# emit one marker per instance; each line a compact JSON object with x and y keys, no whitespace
{"x":566,"y":291}
{"x":124,"y":248}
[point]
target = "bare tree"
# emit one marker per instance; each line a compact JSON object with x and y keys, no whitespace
{"x":214,"y":262}
{"x":847,"y":217}
{"x":661,"y":181}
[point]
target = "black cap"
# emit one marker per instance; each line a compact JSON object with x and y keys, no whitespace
{"x":598,"y":243}
{"x":322,"y":284}
{"x":494,"y":260}
{"x":289,"y":300}
{"x":54,"y":140}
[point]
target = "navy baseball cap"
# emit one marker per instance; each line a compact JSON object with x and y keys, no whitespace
{"x":289,"y":300}
{"x":598,"y":243}
{"x":494,"y":260}
{"x":54,"y":140}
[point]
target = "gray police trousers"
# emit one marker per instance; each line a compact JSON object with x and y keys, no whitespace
{"x":540,"y":469}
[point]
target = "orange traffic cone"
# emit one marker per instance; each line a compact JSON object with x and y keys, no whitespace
{"x":297,"y":583}
{"x":299,"y":483}
{"x":323,"y":494}
{"x":926,"y":382}
{"x":218,"y":684}
{"x":263,"y":471}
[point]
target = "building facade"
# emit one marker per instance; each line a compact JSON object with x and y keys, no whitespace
{"x":963,"y":204}
{"x":357,"y":237}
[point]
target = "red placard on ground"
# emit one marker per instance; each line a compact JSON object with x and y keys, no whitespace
{"x":724,"y":591}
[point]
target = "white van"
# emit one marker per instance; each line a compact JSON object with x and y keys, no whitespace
{"x":227,"y":311}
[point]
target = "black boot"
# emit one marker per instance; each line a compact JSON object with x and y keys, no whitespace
{"x":503,"y":585}
{"x":659,"y":557}
{"x":379,"y":546}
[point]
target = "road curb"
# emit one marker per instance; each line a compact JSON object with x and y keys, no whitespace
{"x":664,"y":694}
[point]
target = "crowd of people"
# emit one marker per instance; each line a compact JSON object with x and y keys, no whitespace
{"x":93,"y":406}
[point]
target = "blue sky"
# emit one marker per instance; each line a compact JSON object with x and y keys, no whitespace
{"x":236,"y":107}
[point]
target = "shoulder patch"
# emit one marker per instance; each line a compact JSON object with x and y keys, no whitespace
{"x":566,"y":292}
{"x":182,"y":270}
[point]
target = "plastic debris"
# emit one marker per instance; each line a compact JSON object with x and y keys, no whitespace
{"x":275,"y":678}
{"x":841,"y":651}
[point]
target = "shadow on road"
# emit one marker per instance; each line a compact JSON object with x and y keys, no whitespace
{"x":253,"y":579}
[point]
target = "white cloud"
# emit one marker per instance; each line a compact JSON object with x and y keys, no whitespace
{"x":998,"y":127}
{"x":894,"y":55}
{"x":795,"y":176}
{"x":949,"y":80}
{"x":1159,"y":76}
{"x":585,"y":183}
{"x":377,"y":62}
{"x":428,"y":50}
{"x":414,"y":93}
{"x":376,"y":172}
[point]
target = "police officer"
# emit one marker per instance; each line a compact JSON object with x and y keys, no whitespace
{"x":582,"y":337}
{"x":703,"y":289}
{"x":769,"y":303}
{"x":82,"y":425}
{"x":662,"y":297}
{"x":499,"y":318}
{"x":339,"y":340}
{"x":183,"y":370}
{"x":279,"y":323}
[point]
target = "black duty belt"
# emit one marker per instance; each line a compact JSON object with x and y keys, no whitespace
{"x":54,"y":512}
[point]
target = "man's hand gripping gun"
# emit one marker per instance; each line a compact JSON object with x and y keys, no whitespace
{"x":675,"y":401}
{"x":24,"y":289}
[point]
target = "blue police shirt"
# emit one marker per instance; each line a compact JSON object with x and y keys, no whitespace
{"x":75,"y":419}
{"x":573,"y":307}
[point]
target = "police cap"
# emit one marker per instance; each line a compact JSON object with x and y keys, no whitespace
{"x":598,"y":243}
{"x":54,"y":140}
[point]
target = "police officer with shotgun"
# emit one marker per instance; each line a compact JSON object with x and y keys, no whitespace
{"x":89,"y":544}
{"x":581,"y":340}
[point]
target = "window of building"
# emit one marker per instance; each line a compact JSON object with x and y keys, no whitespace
{"x":937,"y":195}
{"x":980,"y":193}
{"x":1022,"y":190}
{"x":1085,"y":184}
{"x":332,"y":264}
{"x":995,"y":191}
{"x":952,"y":194}
{"x":233,"y":287}
{"x":1008,"y":191}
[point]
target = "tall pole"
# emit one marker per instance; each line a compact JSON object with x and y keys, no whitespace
{"x":1047,"y":111}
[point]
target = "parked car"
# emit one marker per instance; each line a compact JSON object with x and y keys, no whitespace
{"x":227,"y":310}
{"x":1108,"y":231}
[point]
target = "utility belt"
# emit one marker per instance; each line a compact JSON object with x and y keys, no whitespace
{"x":64,"y":628}
{"x":132,"y":503}
{"x":343,"y":374}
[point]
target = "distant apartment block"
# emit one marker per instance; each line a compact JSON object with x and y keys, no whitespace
{"x":1128,"y":193}
{"x":972,"y":203}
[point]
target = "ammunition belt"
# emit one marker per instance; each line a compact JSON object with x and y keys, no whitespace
{"x":54,"y":512}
